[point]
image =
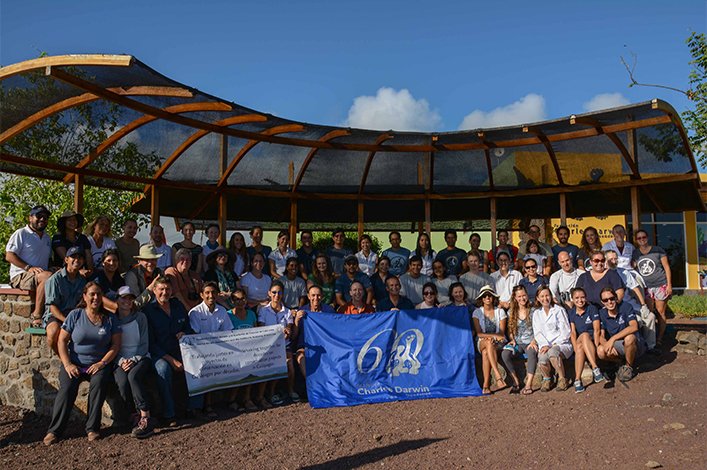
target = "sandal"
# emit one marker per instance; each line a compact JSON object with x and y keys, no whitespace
{"x":486,"y":391}
{"x":502,"y":385}
{"x":526,"y":391}
{"x":515,"y":389}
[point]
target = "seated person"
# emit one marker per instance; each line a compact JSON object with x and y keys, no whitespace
{"x":186,"y":283}
{"x":241,"y":318}
{"x":394,"y":301}
{"x":378,"y":279}
{"x":585,"y":325}
{"x":475,"y":278}
{"x":69,"y":234}
{"x":357,"y":304}
{"x":520,"y":332}
{"x":109,"y":278}
{"x":62,"y":294}
{"x":619,"y":340}
{"x":256,"y":283}
{"x":351,"y":273}
{"x":490,"y":328}
{"x":429,"y":297}
{"x":141,"y":278}
{"x":532,"y":279}
{"x":563,"y":281}
{"x":219,"y":264}
{"x":552,"y":333}
{"x":412,"y":281}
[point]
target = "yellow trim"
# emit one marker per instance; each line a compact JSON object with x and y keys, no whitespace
{"x":692,"y":264}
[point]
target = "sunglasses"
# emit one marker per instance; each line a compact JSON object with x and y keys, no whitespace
{"x":276,"y":292}
{"x":608,"y":299}
{"x":428,"y":292}
{"x":642,"y":238}
{"x":532,"y":266}
{"x":598,"y":260}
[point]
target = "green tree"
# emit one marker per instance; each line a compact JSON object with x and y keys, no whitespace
{"x":66,"y":138}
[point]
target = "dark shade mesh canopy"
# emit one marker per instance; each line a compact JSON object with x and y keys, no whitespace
{"x":129,"y":127}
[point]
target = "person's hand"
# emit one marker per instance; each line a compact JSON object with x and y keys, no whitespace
{"x":72,"y":370}
{"x":299,"y":314}
{"x":669,"y":290}
{"x":151,"y":287}
{"x":288,"y":332}
{"x":177,"y":365}
{"x":512,"y":342}
{"x":127,"y":364}
{"x":179,"y":335}
{"x":94,"y":368}
{"x":35,"y":270}
{"x":36,"y":322}
{"x":533,"y":345}
{"x":544,"y":349}
{"x":85,"y":273}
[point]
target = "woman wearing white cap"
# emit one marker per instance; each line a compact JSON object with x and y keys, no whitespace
{"x":490,"y":328}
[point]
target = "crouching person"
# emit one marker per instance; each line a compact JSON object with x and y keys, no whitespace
{"x":133,"y":362}
{"x":88,"y":342}
{"x":620,"y":340}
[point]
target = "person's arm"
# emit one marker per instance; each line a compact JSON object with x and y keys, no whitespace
{"x":596,"y":324}
{"x":537,"y":332}
{"x":302,"y":271}
{"x":143,"y":347}
{"x":668,"y":274}
{"x":63,"y":348}
{"x":12,"y":258}
{"x":629,"y":330}
{"x":340,"y":299}
{"x":620,"y":294}
{"x":115,"y":341}
{"x":109,"y":304}
{"x":547,"y":270}
{"x":273,"y":269}
{"x":573,"y":335}
{"x":369,"y":297}
{"x":194,"y":321}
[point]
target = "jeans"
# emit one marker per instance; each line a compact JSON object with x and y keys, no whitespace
{"x":133,"y":383}
{"x":165,"y":375}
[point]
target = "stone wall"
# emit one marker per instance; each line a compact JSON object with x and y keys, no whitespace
{"x":29,"y":372}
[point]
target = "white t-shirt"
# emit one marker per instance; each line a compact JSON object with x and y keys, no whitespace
{"x":256,"y":289}
{"x":281,"y":260}
{"x":202,"y":320}
{"x":498,"y":315}
{"x":504,"y":285}
{"x":561,"y":283}
{"x":96,"y":252}
{"x":625,"y":257}
{"x":412,"y":288}
{"x":31,"y":248}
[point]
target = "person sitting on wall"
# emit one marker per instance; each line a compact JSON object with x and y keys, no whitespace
{"x":186,"y":283}
{"x":128,"y":245}
{"x":533,"y":279}
{"x":109,"y":278}
{"x":553,"y":335}
{"x":28,"y":251}
{"x":69,"y":234}
{"x":62,"y":294}
{"x":141,"y":277}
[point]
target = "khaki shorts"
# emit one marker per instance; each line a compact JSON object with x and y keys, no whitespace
{"x":24,"y":281}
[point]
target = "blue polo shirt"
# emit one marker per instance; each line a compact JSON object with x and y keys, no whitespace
{"x":584,"y":323}
{"x":343,"y":284}
{"x":613,"y":325}
{"x":163,"y":328}
{"x":89,"y":342}
{"x":62,"y":292}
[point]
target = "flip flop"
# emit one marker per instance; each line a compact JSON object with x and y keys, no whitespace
{"x":526,"y":391}
{"x":486,"y":391}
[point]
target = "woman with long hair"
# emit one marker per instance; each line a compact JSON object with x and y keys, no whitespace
{"x":531,"y":270}
{"x":323,"y":277}
{"x":237,"y":245}
{"x":424,"y":250}
{"x":586,"y":326}
{"x":109,"y":278}
{"x":256,"y":283}
{"x":367,"y":258}
{"x":220,"y":263}
{"x":520,"y":332}
{"x":69,"y":234}
{"x":474,"y":247}
{"x":442,"y":281}
{"x":429,"y":296}
{"x":99,"y":238}
{"x":490,"y":327}
{"x":89,"y":340}
{"x":552,"y":333}
{"x":186,"y":283}
{"x":278,"y":257}
{"x":590,"y":243}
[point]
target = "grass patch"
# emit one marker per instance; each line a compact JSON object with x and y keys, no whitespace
{"x":689,"y":306}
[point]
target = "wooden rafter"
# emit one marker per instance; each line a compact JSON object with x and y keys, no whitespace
{"x":308,"y":159}
{"x":64,"y":61}
{"x":382,"y":138}
{"x":625,"y":154}
{"x":550,"y":151}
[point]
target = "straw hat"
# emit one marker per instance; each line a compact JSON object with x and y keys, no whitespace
{"x":147,"y":251}
{"x":486,"y":290}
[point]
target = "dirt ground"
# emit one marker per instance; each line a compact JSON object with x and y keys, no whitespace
{"x":660,"y":416}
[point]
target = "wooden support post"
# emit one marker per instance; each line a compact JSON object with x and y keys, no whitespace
{"x":493,"y":224}
{"x":154,"y":206}
{"x":428,"y":216}
{"x":78,"y":194}
{"x":222,"y":217}
{"x":635,"y":209}
{"x":293,"y":223}
{"x":563,"y":209}
{"x":360,"y":219}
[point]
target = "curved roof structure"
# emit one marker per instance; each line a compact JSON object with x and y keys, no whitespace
{"x":117,"y":123}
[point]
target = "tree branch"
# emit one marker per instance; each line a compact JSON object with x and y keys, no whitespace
{"x":635,"y":82}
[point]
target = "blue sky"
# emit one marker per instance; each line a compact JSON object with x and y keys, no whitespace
{"x":382,"y":64}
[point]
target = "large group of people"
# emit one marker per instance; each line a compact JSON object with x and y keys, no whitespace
{"x":115,"y":309}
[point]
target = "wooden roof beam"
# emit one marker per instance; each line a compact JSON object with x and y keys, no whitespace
{"x":625,"y":154}
{"x":382,"y":138}
{"x":550,"y":151}
{"x":308,"y":159}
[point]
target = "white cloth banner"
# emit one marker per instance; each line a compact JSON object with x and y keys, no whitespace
{"x":226,"y":359}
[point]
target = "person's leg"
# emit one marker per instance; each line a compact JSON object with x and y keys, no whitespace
{"x":485,"y":366}
{"x":39,"y":297}
{"x":507,"y":357}
{"x":96,"y":396}
{"x":64,"y":402}
{"x":660,"y":306}
{"x":492,"y":352}
{"x":52,"y":330}
{"x":531,"y":366}
{"x":123,"y":384}
{"x":590,"y":350}
{"x":164,"y":387}
{"x":301,"y":362}
{"x":545,"y":370}
{"x":630,"y":346}
{"x":136,"y":378}
{"x":579,"y":357}
{"x":290,"y":374}
{"x":648,"y":329}
{"x":556,"y":361}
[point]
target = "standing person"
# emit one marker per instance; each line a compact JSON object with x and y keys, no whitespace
{"x":452,"y":257}
{"x":413,"y":280}
{"x":256,"y":246}
{"x":622,"y":248}
{"x":490,"y":328}
{"x":133,"y":362}
{"x":186,"y":283}
{"x":442,"y":281}
{"x":522,"y":341}
{"x":378,"y":279}
{"x":351,"y":273}
{"x":599,"y":277}
{"x":590,"y":243}
{"x":237,"y":246}
{"x":256,"y":283}
{"x":314,"y":294}
{"x":99,"y":238}
{"x":505,"y":279}
{"x":68,"y":235}
{"x":277,"y":259}
{"x":429,"y":296}
{"x":544,"y":250}
{"x":158,"y":240}
{"x":63,"y":292}
{"x":323,"y":277}
{"x":306,"y":254}
{"x":196,"y":251}
{"x":398,"y":255}
{"x":89,"y":340}
{"x":220,"y":263}
{"x":167,"y":322}
{"x":564,"y":280}
{"x":585,"y":326}
{"x":533,"y":251}
{"x":394,"y":301}
{"x":28,"y":251}
{"x":212,"y":232}
{"x":652,"y":264}
{"x":367,"y":258}
{"x":552,"y":333}
{"x":337,"y":253}
{"x":563,"y":246}
{"x":128,"y":246}
{"x":503,"y":246}
{"x":619,"y":340}
{"x":109,"y":279}
{"x":474,"y":246}
{"x":141,"y":277}
{"x":424,"y":250}
{"x":357,"y":304}
{"x":275,"y":313}
{"x":532,"y":279}
{"x":295,"y":287}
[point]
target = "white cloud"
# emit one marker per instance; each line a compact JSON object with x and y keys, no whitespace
{"x":391,"y":109}
{"x":605,"y":101}
{"x":528,"y":109}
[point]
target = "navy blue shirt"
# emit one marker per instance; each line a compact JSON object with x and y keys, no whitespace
{"x":343,"y":285}
{"x":452,"y":259}
{"x":532,"y":287}
{"x":163,"y":328}
{"x":307,"y":260}
{"x":614,"y":325}
{"x":386,"y":304}
{"x":379,"y":291}
{"x":593,"y":289}
{"x":572,"y":250}
{"x":584,"y":323}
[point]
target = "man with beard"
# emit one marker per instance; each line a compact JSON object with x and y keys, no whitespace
{"x":563,"y":245}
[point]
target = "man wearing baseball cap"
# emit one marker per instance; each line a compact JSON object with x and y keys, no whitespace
{"x":28,"y":251}
{"x":343,"y":283}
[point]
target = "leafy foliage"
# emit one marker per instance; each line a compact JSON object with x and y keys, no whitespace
{"x":322,"y":241}
{"x":696,"y":119}
{"x":690,"y":306}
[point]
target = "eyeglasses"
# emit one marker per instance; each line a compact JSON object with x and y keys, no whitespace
{"x":642,"y":238}
{"x":487,"y":296}
{"x":428,"y":292}
{"x":532,"y":266}
{"x":238,"y":301}
{"x":598,"y":260}
{"x":608,"y":299}
{"x":41,"y":215}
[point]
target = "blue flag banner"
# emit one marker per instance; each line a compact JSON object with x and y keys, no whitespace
{"x":388,"y":356}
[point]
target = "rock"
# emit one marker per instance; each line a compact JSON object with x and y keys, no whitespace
{"x":377,"y":437}
{"x":679,"y":375}
{"x":689,"y":337}
{"x":653,"y":464}
{"x":701,"y":352}
{"x":667,"y":398}
{"x":702,"y":343}
{"x":685,"y":348}
{"x":675,"y":426}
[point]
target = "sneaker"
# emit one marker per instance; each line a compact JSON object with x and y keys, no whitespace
{"x":562,"y":385}
{"x":277,"y":400}
{"x":50,"y":439}
{"x":145,"y":428}
{"x":625,"y":373}
{"x":294,"y":396}
{"x":578,"y":387}
{"x":546,"y":385}
{"x":598,"y":376}
{"x":93,"y":436}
